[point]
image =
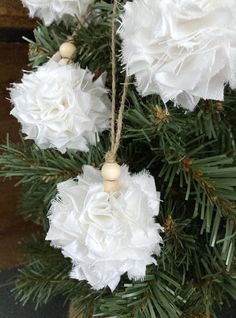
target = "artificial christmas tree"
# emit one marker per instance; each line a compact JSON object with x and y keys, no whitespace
{"x":190,"y":154}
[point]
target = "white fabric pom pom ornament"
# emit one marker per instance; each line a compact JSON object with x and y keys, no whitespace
{"x":56,"y":10}
{"x":104,"y":234}
{"x":182,"y":50}
{"x":60,"y":106}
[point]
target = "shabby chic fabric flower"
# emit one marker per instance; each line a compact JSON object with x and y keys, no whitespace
{"x":55,"y":10}
{"x":182,"y":50}
{"x":60,"y":106}
{"x":106,"y":235}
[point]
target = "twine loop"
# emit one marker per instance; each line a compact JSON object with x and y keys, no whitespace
{"x":116,"y":130}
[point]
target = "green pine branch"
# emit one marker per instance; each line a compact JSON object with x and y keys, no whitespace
{"x":46,"y":275}
{"x":155,"y":297}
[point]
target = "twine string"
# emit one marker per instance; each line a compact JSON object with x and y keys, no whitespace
{"x":120,"y":115}
{"x":116,"y":130}
{"x":113,"y":49}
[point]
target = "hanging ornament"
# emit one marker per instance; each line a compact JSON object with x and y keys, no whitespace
{"x":182,"y":50}
{"x":56,"y":10}
{"x":105,"y":220}
{"x":61,"y":106}
{"x":104,"y":234}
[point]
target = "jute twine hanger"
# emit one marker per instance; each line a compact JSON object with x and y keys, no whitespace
{"x":111,"y":170}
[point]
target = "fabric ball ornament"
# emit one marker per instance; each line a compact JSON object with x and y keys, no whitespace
{"x":55,"y":10}
{"x":106,"y":235}
{"x":60,"y":106}
{"x":182,"y":50}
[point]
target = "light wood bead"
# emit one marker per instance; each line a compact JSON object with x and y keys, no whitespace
{"x":67,"y":50}
{"x":111,"y":171}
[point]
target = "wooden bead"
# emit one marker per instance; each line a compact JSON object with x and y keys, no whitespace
{"x":111,"y":171}
{"x":67,"y":50}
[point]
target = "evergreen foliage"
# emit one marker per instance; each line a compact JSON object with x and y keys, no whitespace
{"x":192,"y":157}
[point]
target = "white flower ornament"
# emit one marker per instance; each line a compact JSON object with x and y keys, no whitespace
{"x":61,"y":106}
{"x":104,"y":234}
{"x":182,"y":50}
{"x":56,"y":10}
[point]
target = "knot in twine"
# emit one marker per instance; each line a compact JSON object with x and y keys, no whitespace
{"x":110,"y":157}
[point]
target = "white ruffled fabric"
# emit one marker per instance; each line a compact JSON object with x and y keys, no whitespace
{"x":55,"y":10}
{"x":106,"y":235}
{"x":182,"y":50}
{"x":60,"y":106}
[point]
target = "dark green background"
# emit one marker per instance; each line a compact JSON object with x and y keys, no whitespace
{"x":10,"y":309}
